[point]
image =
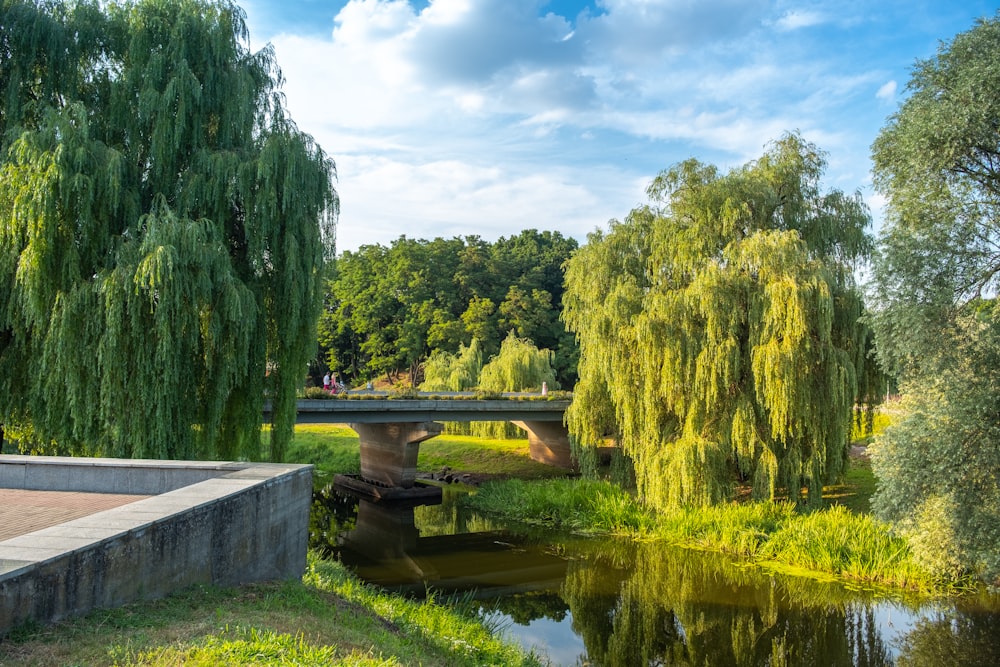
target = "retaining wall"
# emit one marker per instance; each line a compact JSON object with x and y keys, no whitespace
{"x":210,"y":523}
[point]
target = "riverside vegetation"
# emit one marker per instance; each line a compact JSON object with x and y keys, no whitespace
{"x":332,"y":617}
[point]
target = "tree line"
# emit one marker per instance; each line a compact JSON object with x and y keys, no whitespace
{"x":390,"y":309}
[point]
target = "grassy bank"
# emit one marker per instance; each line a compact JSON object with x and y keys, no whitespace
{"x":834,"y":540}
{"x":330,"y":618}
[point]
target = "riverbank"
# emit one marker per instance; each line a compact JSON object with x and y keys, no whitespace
{"x":832,"y":541}
{"x":329,"y":618}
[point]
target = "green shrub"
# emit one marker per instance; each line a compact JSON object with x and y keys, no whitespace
{"x":317,"y":392}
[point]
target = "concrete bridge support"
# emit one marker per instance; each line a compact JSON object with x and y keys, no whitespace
{"x":549,"y":443}
{"x":389,"y":451}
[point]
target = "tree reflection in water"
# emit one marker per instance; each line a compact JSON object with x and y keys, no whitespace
{"x":680,"y":607}
{"x":651,"y":604}
{"x":672,"y":606}
{"x":969,"y":636}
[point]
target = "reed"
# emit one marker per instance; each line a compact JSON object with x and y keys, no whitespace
{"x":852,"y":545}
{"x":834,"y":540}
{"x":578,"y":505}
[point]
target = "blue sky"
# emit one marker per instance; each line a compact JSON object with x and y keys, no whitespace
{"x":456,"y":117}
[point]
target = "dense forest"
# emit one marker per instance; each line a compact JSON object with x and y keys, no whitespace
{"x":388,"y":309}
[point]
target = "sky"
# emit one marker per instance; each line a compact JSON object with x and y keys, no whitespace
{"x":449,"y":118}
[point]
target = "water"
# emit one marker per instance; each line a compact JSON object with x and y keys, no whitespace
{"x":610,"y":602}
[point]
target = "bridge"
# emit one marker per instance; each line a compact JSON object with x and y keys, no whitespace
{"x":390,"y":430}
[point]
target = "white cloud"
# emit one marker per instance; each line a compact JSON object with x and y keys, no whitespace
{"x":487,"y":115}
{"x":887,"y":92}
{"x":641,"y":31}
{"x":798,"y":19}
{"x":382,"y":198}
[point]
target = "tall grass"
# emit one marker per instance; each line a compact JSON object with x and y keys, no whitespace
{"x":852,"y":545}
{"x":578,"y":505}
{"x":834,"y":540}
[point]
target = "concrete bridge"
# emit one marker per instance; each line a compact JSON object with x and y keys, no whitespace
{"x":391,"y":430}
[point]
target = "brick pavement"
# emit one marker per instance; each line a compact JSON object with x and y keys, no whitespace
{"x":24,"y":511}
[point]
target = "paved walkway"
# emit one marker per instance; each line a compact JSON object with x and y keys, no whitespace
{"x":24,"y":512}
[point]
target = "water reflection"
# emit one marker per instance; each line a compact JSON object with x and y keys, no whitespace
{"x":620,"y":603}
{"x":677,"y":607}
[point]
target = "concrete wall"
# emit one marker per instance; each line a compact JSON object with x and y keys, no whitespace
{"x":133,"y":476}
{"x":239,"y":523}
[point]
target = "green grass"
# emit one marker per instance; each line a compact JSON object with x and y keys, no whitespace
{"x":334,"y":448}
{"x":856,"y":489}
{"x":834,"y":541}
{"x":329,"y":618}
{"x":486,"y":456}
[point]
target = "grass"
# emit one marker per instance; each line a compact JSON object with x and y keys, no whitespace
{"x":834,"y":540}
{"x":328,"y":618}
{"x":334,"y":448}
{"x":856,"y":489}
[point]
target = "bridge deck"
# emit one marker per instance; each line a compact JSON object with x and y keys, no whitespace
{"x":384,"y":410}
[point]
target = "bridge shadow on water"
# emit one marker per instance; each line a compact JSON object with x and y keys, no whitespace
{"x":609,"y":602}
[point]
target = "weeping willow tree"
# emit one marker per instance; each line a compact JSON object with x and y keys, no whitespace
{"x":519,"y":366}
{"x":719,"y":330}
{"x":445,"y":371}
{"x":163,"y":230}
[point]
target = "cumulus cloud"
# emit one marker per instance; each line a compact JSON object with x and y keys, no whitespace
{"x":642,"y":31}
{"x":497,"y":115}
{"x":471,"y":42}
{"x":382,"y":197}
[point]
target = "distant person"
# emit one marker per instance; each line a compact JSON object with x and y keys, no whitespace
{"x":326,"y":381}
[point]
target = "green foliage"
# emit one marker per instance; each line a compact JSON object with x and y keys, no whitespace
{"x":519,"y":366}
{"x":453,"y":372}
{"x":936,"y":318}
{"x":936,"y":161}
{"x":833,"y":541}
{"x":164,"y":230}
{"x":389,"y":309}
{"x":318,"y":393}
{"x":719,"y":330}
{"x":938,"y":464}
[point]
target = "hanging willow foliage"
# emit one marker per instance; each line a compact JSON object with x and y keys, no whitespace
{"x":519,"y":366}
{"x":163,"y":230}
{"x":454,"y":372}
{"x":719,"y":330}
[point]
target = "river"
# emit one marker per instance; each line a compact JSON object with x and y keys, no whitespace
{"x":585,"y":601}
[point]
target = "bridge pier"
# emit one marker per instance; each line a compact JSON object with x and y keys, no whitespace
{"x":389,"y":450}
{"x":548,"y":442}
